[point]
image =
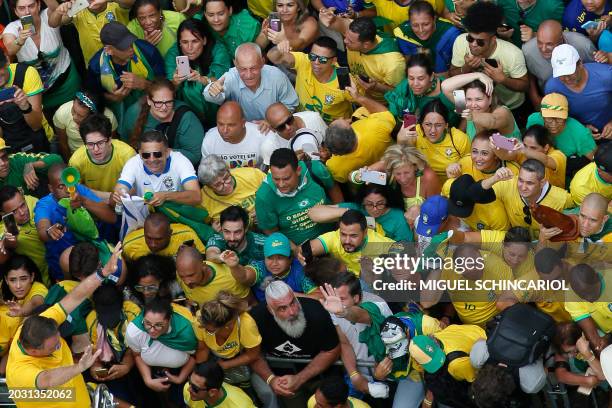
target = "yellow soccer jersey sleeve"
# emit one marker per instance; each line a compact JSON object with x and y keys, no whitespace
{"x":586,"y":181}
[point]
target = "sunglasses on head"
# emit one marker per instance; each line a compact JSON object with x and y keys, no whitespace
{"x":283,"y":125}
{"x":479,"y":41}
{"x":147,"y":155}
{"x":527,"y":213}
{"x":313,"y":57}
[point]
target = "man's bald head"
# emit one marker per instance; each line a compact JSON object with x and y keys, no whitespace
{"x":593,"y":214}
{"x":282,"y":120}
{"x":230,"y":109}
{"x":549,"y":35}
{"x":190,"y":266}
{"x":231,"y":123}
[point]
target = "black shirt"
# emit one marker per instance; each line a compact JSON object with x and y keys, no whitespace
{"x":319,"y":335}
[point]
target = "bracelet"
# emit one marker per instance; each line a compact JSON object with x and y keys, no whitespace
{"x":28,"y":110}
{"x":99,"y":275}
{"x":427,"y":402}
{"x":353,"y":374}
{"x":270,"y":378}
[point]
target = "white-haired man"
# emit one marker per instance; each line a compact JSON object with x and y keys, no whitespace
{"x":282,"y":321}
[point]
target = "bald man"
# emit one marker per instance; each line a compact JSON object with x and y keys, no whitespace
{"x":235,"y":140}
{"x":303,"y":132}
{"x":538,"y":52}
{"x":252,"y":84}
{"x":202,"y":280}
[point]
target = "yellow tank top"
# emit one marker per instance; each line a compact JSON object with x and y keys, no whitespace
{"x":418,"y":199}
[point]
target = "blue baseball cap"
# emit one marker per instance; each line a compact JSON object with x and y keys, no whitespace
{"x":433,"y":213}
{"x":277,"y":244}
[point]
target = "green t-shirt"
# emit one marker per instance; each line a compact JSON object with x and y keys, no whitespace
{"x":189,"y":135}
{"x":252,"y":252}
{"x":172,"y":20}
{"x":532,"y":17}
{"x":392,"y":222}
{"x":17,"y":163}
{"x":190,"y":92}
{"x":290,"y":214}
{"x":243,"y":28}
{"x":575,"y":140}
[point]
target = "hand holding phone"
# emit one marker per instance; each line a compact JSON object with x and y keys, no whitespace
{"x":492,"y":62}
{"x":101,"y":372}
{"x":409,"y":119}
{"x":590,"y":25}
{"x":27,"y":22}
{"x":503,"y":142}
{"x":459,"y":97}
{"x":375,"y":177}
{"x":344,"y":80}
{"x":77,"y":6}
{"x":182,"y":66}
{"x":10,"y":225}
{"x":275,"y":23}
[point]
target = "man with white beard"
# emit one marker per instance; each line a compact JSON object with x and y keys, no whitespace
{"x":294,"y":328}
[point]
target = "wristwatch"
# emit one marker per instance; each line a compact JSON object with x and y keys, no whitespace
{"x":28,"y":110}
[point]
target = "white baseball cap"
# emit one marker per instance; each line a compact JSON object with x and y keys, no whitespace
{"x":563,"y":60}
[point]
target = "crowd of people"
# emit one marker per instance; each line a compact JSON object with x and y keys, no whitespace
{"x":205,"y":202}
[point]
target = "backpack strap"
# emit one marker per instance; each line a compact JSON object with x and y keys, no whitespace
{"x":315,"y":178}
{"x":174,"y":124}
{"x":453,"y":355}
{"x":20,"y":73}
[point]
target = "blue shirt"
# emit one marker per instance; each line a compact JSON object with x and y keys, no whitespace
{"x":48,"y":208}
{"x":575,"y":15}
{"x":593,"y":105}
{"x":295,"y":278}
{"x":274,"y":87}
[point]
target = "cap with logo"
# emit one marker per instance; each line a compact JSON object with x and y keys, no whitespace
{"x":554,"y":105}
{"x":603,"y":157}
{"x":425,"y":351}
{"x":563,"y":60}
{"x":434,"y":212}
{"x":117,"y":35}
{"x":277,"y":244}
{"x":464,"y":195}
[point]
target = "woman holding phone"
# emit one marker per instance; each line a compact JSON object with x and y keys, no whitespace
{"x":152,"y":24}
{"x":208,"y":60}
{"x":296,"y":26}
{"x":481,"y":109}
{"x":40,"y":46}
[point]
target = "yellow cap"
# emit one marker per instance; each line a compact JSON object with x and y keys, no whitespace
{"x":3,"y":144}
{"x":554,"y":105}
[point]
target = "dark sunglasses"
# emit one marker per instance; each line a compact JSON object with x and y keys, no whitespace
{"x":147,"y":155}
{"x":283,"y":125}
{"x":313,"y":57}
{"x":527,"y":213}
{"x":479,"y":41}
{"x":195,"y":388}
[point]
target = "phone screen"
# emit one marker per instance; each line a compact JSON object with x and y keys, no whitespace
{"x":10,"y":224}
{"x":492,"y":62}
{"x":343,"y":77}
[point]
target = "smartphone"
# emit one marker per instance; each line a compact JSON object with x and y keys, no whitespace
{"x":364,"y":78}
{"x":344,"y":80}
{"x":10,"y":225}
{"x":503,"y":142}
{"x":589,"y":25}
{"x":459,"y":97}
{"x":182,"y":66}
{"x":409,"y":119}
{"x":27,"y":22}
{"x":77,"y":6}
{"x":371,"y":221}
{"x":102,"y":372}
{"x":492,"y":62}
{"x":275,"y":23}
{"x":372,"y":176}
{"x":7,"y":93}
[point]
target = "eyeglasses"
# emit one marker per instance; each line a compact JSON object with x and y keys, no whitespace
{"x":376,"y":206}
{"x":159,"y":104}
{"x":146,"y":288}
{"x":227,"y":178}
{"x":147,"y":155}
{"x":156,"y":326}
{"x":322,"y":60}
{"x":195,"y":388}
{"x":434,"y":125}
{"x":283,"y":125}
{"x":527,"y":213}
{"x":94,"y":145}
{"x":479,"y":41}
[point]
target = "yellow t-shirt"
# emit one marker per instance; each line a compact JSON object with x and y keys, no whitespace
{"x":247,"y":181}
{"x":23,"y":369}
{"x":507,"y":192}
{"x":460,"y":338}
{"x":441,"y":154}
{"x":398,"y":14}
{"x":600,"y":312}
{"x":32,"y":85}
{"x":62,"y":119}
{"x":234,"y":398}
{"x":221,"y":279}
{"x":103,"y":176}
{"x":326,"y":98}
{"x":244,"y":335}
{"x":8,"y":328}
{"x":388,"y":68}
{"x":554,"y":177}
{"x":470,"y":304}
{"x":134,"y":245}
{"x":37,"y":289}
{"x":353,"y":402}
{"x":374,"y":242}
{"x":89,"y":26}
{"x":130,"y":309}
{"x":587,"y":181}
{"x":373,"y":138}
{"x":29,"y":243}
